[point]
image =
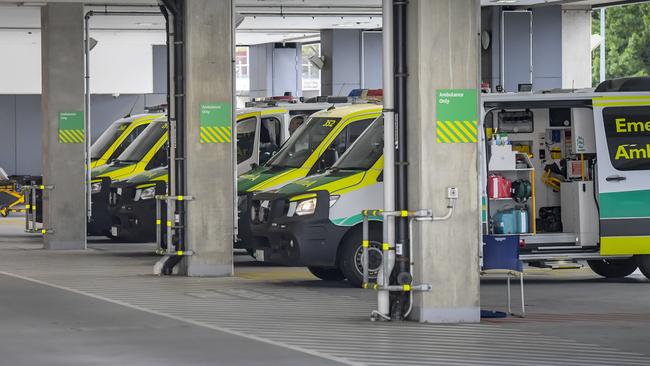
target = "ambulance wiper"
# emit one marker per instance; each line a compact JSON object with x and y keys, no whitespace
{"x":338,"y":169}
{"x":127,"y":161}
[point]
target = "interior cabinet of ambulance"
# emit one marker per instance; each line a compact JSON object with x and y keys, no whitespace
{"x":540,"y":174}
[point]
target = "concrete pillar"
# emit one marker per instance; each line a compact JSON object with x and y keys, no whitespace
{"x":210,"y":175}
{"x":342,"y":70}
{"x":576,"y":48}
{"x":443,"y":53}
{"x":64,"y":208}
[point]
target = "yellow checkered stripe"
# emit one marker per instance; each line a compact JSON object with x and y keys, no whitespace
{"x":215,"y":134}
{"x":456,"y":132}
{"x":71,"y":136}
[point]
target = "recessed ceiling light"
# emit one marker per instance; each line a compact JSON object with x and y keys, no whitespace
{"x":505,"y":1}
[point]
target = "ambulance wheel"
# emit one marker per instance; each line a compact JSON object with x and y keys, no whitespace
{"x":613,"y":268}
{"x":351,"y":253}
{"x":644,"y":264}
{"x":327,"y":273}
{"x":4,"y":212}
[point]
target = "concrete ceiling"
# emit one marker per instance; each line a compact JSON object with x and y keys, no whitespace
{"x":265,"y":20}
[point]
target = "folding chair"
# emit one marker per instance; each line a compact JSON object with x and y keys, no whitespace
{"x":501,"y":253}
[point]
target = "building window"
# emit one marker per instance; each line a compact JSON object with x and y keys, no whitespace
{"x":242,"y":70}
{"x":310,"y":74}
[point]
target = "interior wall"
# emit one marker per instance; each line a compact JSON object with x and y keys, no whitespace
{"x":274,"y":70}
{"x":159,"y":62}
{"x":372,"y":60}
{"x":287,"y":71}
{"x":22,"y":125}
{"x":353,"y":60}
{"x":547,"y":47}
{"x":346,"y":61}
{"x":260,"y":70}
{"x":21,"y":121}
{"x":517,"y":46}
{"x":120,"y":62}
{"x":576,"y":48}
{"x":490,"y":57}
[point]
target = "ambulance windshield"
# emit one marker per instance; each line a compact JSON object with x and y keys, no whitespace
{"x":143,"y":144}
{"x":107,"y":138}
{"x":302,"y":144}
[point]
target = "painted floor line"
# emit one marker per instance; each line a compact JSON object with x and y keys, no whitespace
{"x":185,"y":320}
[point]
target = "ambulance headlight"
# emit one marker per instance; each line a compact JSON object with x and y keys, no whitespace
{"x":145,"y":193}
{"x":95,"y":187}
{"x":306,"y":207}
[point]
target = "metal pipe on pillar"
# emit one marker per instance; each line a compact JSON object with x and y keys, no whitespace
{"x":388,"y":245}
{"x":87,"y":116}
{"x":176,"y":185}
{"x":401,"y":163}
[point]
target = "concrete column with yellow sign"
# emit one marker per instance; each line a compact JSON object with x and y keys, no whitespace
{"x":62,"y":57}
{"x":443,"y":63}
{"x":209,"y":137}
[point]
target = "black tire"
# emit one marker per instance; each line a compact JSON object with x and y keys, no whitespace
{"x":613,"y":268}
{"x":643,"y":261}
{"x":350,"y":254}
{"x":327,"y":273}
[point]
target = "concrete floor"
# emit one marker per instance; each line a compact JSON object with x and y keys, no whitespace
{"x":101,"y":306}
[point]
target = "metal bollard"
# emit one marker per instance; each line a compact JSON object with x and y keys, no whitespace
{"x":169,"y":224}
{"x":30,"y":211}
{"x":365,"y":242}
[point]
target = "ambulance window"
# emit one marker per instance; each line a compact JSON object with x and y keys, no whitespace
{"x":271,"y":131}
{"x":341,"y":143}
{"x":104,"y":142}
{"x":295,"y":123}
{"x":628,"y":137}
{"x":363,"y":154}
{"x":356,"y":129}
{"x":159,"y":159}
{"x":128,"y":140}
{"x":302,"y":144}
{"x":269,"y":138}
{"x":245,"y":138}
{"x":143,"y":143}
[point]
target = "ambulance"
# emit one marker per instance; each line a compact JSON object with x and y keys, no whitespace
{"x":261,"y":131}
{"x":312,"y":149}
{"x":567,"y":176}
{"x":148,"y":151}
{"x":118,"y":136}
{"x":316,"y":221}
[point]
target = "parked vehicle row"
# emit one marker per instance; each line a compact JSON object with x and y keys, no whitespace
{"x":564,"y":174}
